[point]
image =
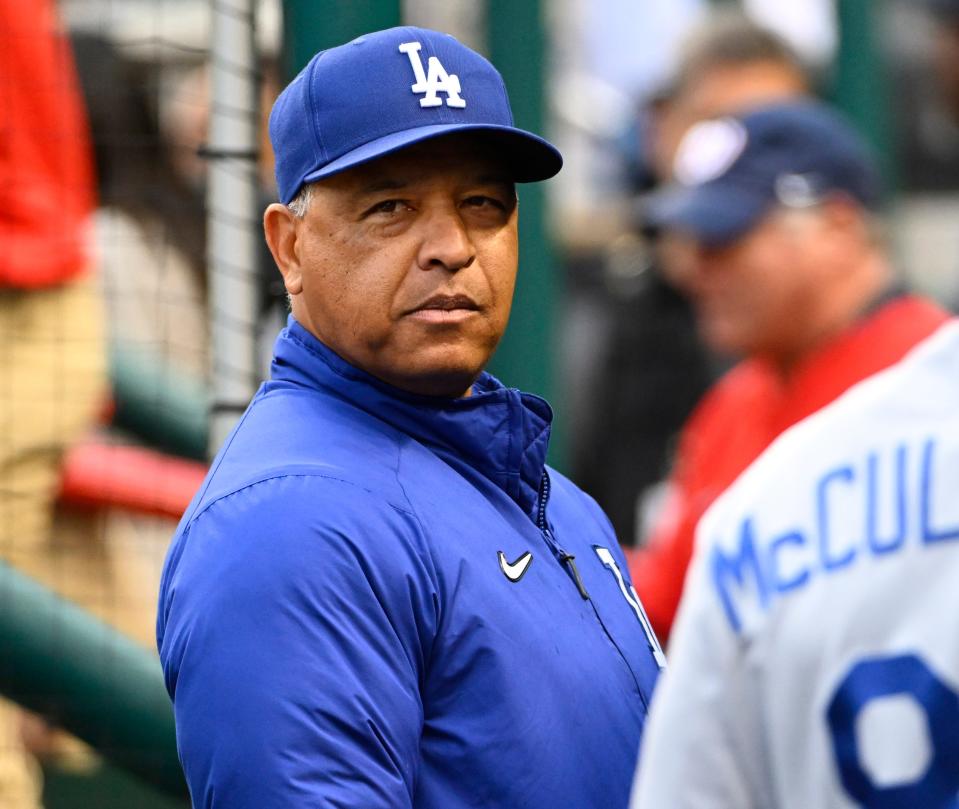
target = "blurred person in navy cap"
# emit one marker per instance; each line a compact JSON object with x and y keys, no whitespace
{"x":382,"y":596}
{"x":815,"y":662}
{"x":654,"y":368}
{"x":774,"y":233}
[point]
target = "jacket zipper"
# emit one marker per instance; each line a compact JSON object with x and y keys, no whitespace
{"x":566,"y":559}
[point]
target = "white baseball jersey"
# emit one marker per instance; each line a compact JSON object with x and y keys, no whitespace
{"x":815,"y":659}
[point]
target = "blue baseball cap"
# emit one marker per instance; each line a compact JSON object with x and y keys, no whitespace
{"x":729,"y":172}
{"x":388,"y":90}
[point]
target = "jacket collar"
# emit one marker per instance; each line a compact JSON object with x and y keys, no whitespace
{"x":499,"y":432}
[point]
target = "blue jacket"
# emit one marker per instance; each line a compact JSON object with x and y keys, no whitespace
{"x":338,"y":627}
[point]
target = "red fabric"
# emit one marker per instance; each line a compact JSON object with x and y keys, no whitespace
{"x":46,"y":172}
{"x":134,"y":478}
{"x":741,"y":415}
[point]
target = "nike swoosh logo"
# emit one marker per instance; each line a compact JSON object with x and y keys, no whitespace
{"x":514,"y":571}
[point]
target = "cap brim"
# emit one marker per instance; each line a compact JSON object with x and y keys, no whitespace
{"x":712,"y":214}
{"x":529,"y":157}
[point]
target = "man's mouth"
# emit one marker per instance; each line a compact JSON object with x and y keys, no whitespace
{"x":445,"y":309}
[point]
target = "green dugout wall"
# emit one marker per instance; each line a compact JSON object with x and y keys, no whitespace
{"x":63,"y":663}
{"x":859,"y":85}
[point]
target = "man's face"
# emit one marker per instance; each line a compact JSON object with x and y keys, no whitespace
{"x":405,"y":266}
{"x":755,"y":295}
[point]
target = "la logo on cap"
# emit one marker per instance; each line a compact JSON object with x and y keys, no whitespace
{"x":432,"y":81}
{"x":708,"y":150}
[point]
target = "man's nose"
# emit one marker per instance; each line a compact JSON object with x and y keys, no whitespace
{"x":446,"y":243}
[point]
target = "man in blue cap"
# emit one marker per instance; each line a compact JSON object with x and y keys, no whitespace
{"x":772,"y":230}
{"x":813,"y":663}
{"x":382,"y":596}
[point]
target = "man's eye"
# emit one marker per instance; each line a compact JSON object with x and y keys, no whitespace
{"x":480,"y":201}
{"x":387,"y":206}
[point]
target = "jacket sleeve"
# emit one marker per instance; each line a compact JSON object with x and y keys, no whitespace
{"x":296,"y":617}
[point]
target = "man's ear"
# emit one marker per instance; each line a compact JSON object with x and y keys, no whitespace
{"x":279,"y":227}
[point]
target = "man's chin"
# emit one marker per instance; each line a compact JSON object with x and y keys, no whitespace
{"x":441,"y":384}
{"x":720,"y":338}
{"x":447,"y":377}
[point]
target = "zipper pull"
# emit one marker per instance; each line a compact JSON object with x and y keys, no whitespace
{"x":568,"y":559}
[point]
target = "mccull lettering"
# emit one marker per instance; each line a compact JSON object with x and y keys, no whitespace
{"x":758,"y":570}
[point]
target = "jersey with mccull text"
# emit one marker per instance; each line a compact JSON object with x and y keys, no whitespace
{"x":815,"y":662}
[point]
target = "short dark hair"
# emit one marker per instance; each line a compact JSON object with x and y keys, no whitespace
{"x":731,"y":38}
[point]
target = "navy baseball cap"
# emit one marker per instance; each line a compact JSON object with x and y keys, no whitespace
{"x":729,"y":172}
{"x":388,"y":90}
